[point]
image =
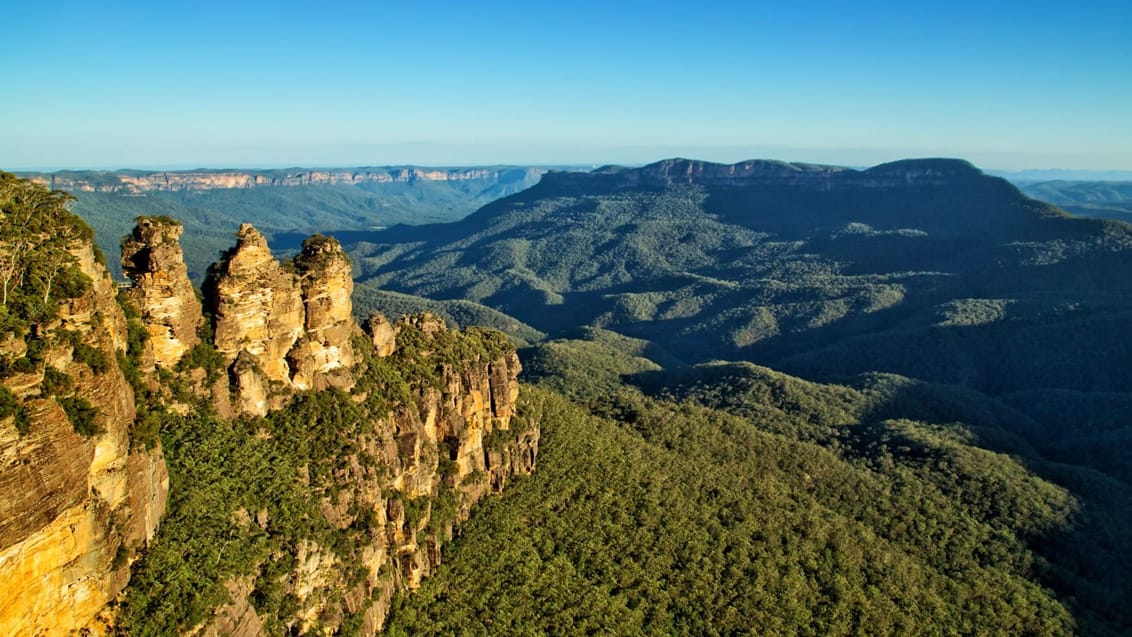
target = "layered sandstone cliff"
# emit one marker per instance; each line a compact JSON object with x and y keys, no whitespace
{"x":324,"y":351}
{"x":75,"y":508}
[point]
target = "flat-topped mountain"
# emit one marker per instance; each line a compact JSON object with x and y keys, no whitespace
{"x":913,"y":267}
{"x":771,"y":172}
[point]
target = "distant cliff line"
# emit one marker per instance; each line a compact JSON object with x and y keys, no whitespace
{"x":139,"y":182}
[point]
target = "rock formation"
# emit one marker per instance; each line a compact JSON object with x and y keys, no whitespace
{"x":382,"y":334}
{"x":162,"y":292}
{"x":77,"y":507}
{"x":325,"y":346}
{"x":74,"y":508}
{"x":282,"y":328}
{"x":257,"y":308}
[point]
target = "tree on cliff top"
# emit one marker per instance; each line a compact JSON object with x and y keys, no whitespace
{"x":37,"y":268}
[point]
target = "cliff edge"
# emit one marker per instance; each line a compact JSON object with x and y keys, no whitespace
{"x":302,"y":470}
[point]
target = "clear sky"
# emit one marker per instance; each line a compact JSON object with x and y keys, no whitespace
{"x":172,"y":84}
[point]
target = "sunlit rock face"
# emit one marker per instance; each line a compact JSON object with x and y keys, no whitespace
{"x":153,"y":260}
{"x":279,"y":326}
{"x":74,"y":509}
{"x":324,"y":351}
{"x":257,"y":306}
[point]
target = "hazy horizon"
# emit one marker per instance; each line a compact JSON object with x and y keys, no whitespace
{"x":1023,"y":174}
{"x":132,"y":84}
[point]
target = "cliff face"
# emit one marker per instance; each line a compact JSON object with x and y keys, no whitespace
{"x":324,"y":351}
{"x":258,"y":312}
{"x":138,"y":182}
{"x":74,"y":507}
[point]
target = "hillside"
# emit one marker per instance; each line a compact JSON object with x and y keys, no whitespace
{"x":1105,"y":199}
{"x":917,"y":268}
{"x":729,"y":496}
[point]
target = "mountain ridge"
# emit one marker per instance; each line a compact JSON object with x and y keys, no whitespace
{"x":768,"y":171}
{"x":709,"y":266}
{"x":129,"y":181}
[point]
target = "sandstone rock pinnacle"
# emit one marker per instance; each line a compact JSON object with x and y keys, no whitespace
{"x":153,"y":260}
{"x":287,"y":326}
{"x":327,"y":285}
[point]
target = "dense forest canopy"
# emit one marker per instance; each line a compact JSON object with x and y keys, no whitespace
{"x":895,"y":403}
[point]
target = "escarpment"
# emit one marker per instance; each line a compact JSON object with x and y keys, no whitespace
{"x":289,"y":474}
{"x":79,"y":495}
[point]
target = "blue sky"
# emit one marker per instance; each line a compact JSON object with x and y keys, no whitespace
{"x":175,"y":84}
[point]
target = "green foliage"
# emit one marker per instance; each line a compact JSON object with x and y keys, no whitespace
{"x":674,"y":519}
{"x":83,"y":416}
{"x":10,"y":405}
{"x":203,"y":355}
{"x":37,"y":269}
{"x":55,"y":382}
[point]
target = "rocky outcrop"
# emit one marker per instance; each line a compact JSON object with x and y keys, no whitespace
{"x":134,"y":182}
{"x":75,"y":507}
{"x":382,"y":335}
{"x":162,"y":292}
{"x":324,"y":352}
{"x":413,"y":475}
{"x":257,"y":308}
{"x":282,"y":328}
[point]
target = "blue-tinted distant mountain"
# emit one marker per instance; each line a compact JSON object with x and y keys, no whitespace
{"x":914,"y":267}
{"x":1108,"y":199}
{"x":1052,"y":174}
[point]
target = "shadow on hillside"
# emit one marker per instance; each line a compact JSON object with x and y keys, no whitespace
{"x":934,"y":430}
